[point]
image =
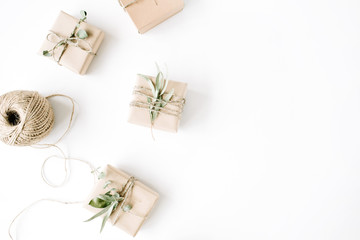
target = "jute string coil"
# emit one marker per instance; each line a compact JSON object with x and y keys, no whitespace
{"x":25,"y":118}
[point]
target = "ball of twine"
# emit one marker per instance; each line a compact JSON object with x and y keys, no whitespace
{"x":25,"y":118}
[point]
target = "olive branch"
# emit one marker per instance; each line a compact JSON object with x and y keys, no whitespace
{"x":108,"y":202}
{"x":159,"y":99}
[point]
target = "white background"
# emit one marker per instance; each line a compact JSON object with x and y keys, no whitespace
{"x":268,"y":147}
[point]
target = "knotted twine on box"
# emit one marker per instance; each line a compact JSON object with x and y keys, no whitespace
{"x":177,"y":103}
{"x":75,"y":39}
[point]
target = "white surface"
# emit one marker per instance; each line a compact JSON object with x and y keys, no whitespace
{"x":269,"y":143}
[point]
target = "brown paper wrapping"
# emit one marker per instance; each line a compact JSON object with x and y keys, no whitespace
{"x":146,"y":14}
{"x":142,"y":200}
{"x":74,"y":58}
{"x":165,"y":122}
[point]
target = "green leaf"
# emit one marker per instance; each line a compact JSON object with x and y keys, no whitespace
{"x":47,"y":53}
{"x":106,"y":217}
{"x":150,"y":83}
{"x":149,"y":100}
{"x":105,"y":197}
{"x":101,"y":175}
{"x":151,"y":115}
{"x":116,"y":195}
{"x":127,"y":208}
{"x":107,"y":183}
{"x":83,"y":13}
{"x":154,"y":114}
{"x":98,"y":202}
{"x":95,"y":170}
{"x":158,"y":85}
{"x":99,"y":213}
{"x":82,"y":34}
{"x":168,"y":96}
{"x":165,"y":86}
{"x":157,"y":67}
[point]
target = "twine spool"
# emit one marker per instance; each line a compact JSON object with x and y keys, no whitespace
{"x":25,"y":118}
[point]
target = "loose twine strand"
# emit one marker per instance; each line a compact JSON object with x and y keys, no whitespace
{"x":36,"y":107}
{"x":30,"y":206}
{"x":32,"y":120}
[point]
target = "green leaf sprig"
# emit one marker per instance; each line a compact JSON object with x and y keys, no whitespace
{"x":76,"y":33}
{"x":98,"y":174}
{"x":159,"y":99}
{"x":108,"y":202}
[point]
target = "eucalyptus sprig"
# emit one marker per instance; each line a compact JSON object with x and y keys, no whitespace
{"x":159,"y":99}
{"x":76,"y":33}
{"x":108,"y":202}
{"x":98,"y":174}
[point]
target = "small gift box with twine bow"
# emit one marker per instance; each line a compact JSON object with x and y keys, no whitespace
{"x":122,"y":200}
{"x":157,"y":102}
{"x":72,"y":42}
{"x":146,"y":14}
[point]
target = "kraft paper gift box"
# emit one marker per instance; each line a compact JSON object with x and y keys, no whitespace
{"x":146,"y":14}
{"x":75,"y":58}
{"x":166,"y":119}
{"x":141,"y":198}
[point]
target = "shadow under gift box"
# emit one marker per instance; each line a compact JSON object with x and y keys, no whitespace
{"x":165,"y":122}
{"x":146,"y":14}
{"x":142,"y":199}
{"x":74,"y":58}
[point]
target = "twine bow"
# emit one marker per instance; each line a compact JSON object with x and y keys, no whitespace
{"x":76,"y":39}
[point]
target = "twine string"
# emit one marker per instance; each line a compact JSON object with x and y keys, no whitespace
{"x":30,"y":206}
{"x":145,"y":92}
{"x":19,"y":129}
{"x":30,"y":114}
{"x":63,"y":155}
{"x":25,"y":118}
{"x":71,"y":40}
{"x":125,"y":192}
{"x":124,"y":6}
{"x":49,"y":199}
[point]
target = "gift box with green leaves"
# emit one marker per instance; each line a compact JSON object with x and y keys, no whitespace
{"x":122,"y":200}
{"x":72,"y":42}
{"x":157,"y":102}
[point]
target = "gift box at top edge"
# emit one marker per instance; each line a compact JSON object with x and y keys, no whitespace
{"x":147,"y":14}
